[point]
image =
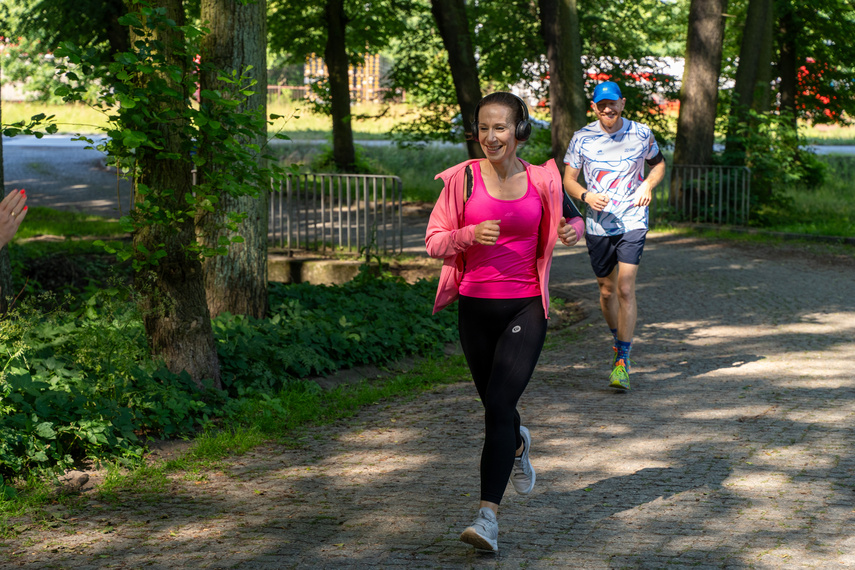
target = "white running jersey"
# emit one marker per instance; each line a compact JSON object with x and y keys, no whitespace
{"x":613,"y":165}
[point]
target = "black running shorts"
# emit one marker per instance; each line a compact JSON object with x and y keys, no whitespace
{"x":607,"y":251}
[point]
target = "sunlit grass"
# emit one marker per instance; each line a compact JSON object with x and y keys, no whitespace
{"x":46,"y":221}
{"x":70,"y":118}
{"x":829,"y":134}
{"x":828,"y":209}
{"x":370,"y":121}
{"x":416,"y":166}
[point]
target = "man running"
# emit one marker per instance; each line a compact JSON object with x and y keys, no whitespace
{"x":613,"y":151}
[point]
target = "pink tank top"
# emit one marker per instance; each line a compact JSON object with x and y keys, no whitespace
{"x":508,"y":269}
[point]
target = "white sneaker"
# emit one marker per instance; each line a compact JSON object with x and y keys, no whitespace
{"x":484,"y":532}
{"x":523,"y":474}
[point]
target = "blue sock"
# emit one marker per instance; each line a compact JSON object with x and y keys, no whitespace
{"x":623,"y":349}
{"x":614,"y":334}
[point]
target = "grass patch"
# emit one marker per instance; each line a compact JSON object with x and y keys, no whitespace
{"x":829,"y":134}
{"x":144,"y":482}
{"x":43,"y":221}
{"x":827,"y":210}
{"x":370,"y":121}
{"x":415,"y":165}
{"x":28,"y":506}
{"x":807,"y":246}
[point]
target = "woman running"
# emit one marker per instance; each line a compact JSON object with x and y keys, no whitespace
{"x":495,"y":225}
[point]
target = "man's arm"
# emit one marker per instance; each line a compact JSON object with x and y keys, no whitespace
{"x":644,"y":192}
{"x":576,"y":190}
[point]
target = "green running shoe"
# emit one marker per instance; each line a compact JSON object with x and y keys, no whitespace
{"x":614,"y":359}
{"x":619,"y":378}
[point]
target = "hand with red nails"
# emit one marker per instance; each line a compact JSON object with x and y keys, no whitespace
{"x":13,"y":210}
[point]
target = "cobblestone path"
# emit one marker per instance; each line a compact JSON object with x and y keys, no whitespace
{"x":733,"y":450}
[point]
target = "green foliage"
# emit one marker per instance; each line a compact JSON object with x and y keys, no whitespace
{"x":415,"y":164}
{"x":315,"y":330}
{"x":68,"y":269}
{"x":825,"y":52}
{"x":775,"y":152}
{"x":43,"y":221}
{"x":506,"y":35}
{"x":77,"y":382}
{"x":324,"y":161}
{"x":144,"y":95}
{"x":26,"y":62}
{"x":88,"y":23}
{"x":538,"y":148}
{"x":370,"y":29}
{"x":826,"y":208}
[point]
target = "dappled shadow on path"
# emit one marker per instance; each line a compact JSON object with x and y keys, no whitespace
{"x":732,"y":450}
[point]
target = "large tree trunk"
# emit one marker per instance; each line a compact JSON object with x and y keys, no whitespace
{"x":237,"y":282}
{"x":453,"y":25}
{"x":699,"y":92}
{"x":559,"y":26}
{"x":335,"y":57}
{"x":762,"y":102}
{"x":5,"y":266}
{"x":175,"y":314}
{"x":748,"y":89}
{"x":788,"y":66}
{"x":117,"y":34}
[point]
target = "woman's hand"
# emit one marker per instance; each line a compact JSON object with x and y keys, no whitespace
{"x":487,"y":232}
{"x":13,"y":209}
{"x":566,"y":232}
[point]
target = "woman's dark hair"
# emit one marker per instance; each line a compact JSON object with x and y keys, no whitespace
{"x":519,"y":113}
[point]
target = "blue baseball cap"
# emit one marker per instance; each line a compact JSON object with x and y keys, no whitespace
{"x":607,"y":90}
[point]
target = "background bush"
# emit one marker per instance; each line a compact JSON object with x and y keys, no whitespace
{"x":77,"y":381}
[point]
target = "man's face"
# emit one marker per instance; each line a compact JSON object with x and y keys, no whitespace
{"x":609,"y":112}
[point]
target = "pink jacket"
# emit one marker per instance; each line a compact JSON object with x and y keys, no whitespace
{"x":448,"y":238}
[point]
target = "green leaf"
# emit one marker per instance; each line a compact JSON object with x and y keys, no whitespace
{"x":133,"y":139}
{"x":45,"y":430}
{"x":130,"y":20}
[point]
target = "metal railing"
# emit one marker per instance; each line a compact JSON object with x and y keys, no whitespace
{"x":344,"y":211}
{"x":703,"y":194}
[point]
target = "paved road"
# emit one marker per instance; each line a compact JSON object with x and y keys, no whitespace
{"x":62,"y":174}
{"x":733,"y":450}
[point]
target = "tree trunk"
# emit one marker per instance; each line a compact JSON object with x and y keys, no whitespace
{"x":748,"y":88}
{"x":450,"y":16}
{"x":559,"y":26}
{"x":788,"y":66}
{"x":117,"y":34}
{"x":5,"y":266}
{"x":237,"y":282}
{"x":762,"y":102}
{"x":335,"y":57}
{"x":175,"y":314}
{"x":699,"y":92}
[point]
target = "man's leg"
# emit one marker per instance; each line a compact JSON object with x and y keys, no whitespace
{"x":609,"y":302}
{"x":627,"y":309}
{"x":627,"y":312}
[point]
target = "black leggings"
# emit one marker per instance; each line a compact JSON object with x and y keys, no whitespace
{"x":502,"y":340}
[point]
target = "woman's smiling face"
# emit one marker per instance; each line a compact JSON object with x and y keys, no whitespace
{"x":496,"y":132}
